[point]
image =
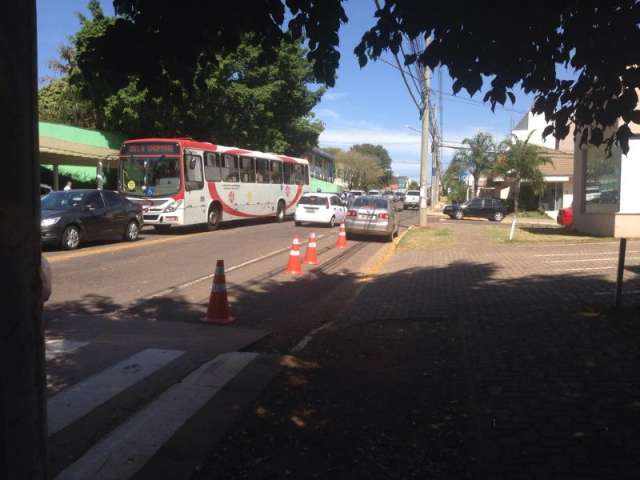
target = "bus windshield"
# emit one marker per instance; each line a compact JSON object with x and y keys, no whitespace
{"x":149,"y":176}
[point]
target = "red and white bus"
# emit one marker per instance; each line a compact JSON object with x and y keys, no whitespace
{"x":184,"y":182}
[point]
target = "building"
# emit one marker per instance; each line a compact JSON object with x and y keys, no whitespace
{"x":607,"y":189}
{"x":557,"y":175}
{"x":76,"y":153}
{"x":322,"y":169}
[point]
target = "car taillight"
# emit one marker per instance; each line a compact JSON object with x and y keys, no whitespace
{"x":383,"y":216}
{"x":352,"y":213}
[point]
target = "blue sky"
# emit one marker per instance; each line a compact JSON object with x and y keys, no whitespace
{"x":369,"y":105}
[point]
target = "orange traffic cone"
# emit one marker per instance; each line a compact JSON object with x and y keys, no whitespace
{"x":342,"y":238}
{"x":294,"y":267}
{"x":218,"y":310}
{"x":311,"y":257}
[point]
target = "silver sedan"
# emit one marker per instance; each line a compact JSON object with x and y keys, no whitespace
{"x":372,"y":215}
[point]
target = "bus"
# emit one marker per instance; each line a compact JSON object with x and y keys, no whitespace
{"x":182,"y":182}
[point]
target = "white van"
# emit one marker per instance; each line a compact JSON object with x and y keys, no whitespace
{"x":412,"y":199}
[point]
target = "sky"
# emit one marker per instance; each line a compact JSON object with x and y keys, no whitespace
{"x":368,"y":105}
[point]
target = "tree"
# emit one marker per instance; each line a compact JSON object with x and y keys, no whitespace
{"x":477,"y":158}
{"x":520,"y":161}
{"x":382,"y":156}
{"x":61,"y":102}
{"x":475,"y":40}
{"x":453,"y":184}
{"x":359,"y":170}
{"x":237,"y":99}
{"x":414,"y":185}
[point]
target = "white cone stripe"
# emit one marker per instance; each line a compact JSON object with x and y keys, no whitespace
{"x":130,"y":446}
{"x":294,"y":253}
{"x":312,"y":244}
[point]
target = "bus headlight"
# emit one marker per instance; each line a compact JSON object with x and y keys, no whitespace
{"x":173,"y":206}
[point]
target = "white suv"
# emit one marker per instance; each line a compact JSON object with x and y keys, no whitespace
{"x":325,"y":208}
{"x":412,"y":199}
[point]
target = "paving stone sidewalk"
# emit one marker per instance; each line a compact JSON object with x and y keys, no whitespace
{"x":468,"y":360}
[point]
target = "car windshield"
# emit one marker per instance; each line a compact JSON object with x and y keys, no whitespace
{"x":62,"y":200}
{"x":369,"y":202}
{"x":413,"y":192}
{"x":150,"y":177}
{"x":313,"y":200}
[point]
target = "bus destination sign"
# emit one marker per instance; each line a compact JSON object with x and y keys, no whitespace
{"x":150,"y":149}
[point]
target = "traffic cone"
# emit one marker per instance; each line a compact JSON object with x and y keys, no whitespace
{"x":294,"y":267}
{"x":218,"y":310}
{"x":342,"y":238}
{"x":311,"y":257}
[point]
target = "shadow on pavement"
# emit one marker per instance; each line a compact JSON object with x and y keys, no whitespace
{"x":439,"y":372}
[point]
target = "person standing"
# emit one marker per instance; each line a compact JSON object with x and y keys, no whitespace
{"x":67,"y":187}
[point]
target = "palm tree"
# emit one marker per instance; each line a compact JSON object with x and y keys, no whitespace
{"x":478,"y":157}
{"x":520,"y":161}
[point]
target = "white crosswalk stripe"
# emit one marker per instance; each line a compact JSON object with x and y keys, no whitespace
{"x":129,"y":447}
{"x":75,"y":402}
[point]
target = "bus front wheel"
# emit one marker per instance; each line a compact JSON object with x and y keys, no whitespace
{"x":280,"y":212}
{"x":214,"y":218}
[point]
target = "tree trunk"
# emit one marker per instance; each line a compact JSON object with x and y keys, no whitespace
{"x":516,"y":198}
{"x":22,"y":376}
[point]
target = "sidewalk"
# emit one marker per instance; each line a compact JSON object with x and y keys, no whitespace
{"x":458,"y":361}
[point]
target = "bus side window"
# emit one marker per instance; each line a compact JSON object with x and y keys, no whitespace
{"x":193,"y":164}
{"x":212,"y":167}
{"x":229,"y":169}
{"x":262,"y":170}
{"x":247,"y":170}
{"x":287,"y":173}
{"x":276,"y":171}
{"x":299,"y":174}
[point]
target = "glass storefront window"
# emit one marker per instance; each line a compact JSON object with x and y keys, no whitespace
{"x":602,"y":180}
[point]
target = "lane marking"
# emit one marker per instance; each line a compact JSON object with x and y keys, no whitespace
{"x":75,"y":402}
{"x":624,"y":292}
{"x":581,"y":269}
{"x":129,"y":447}
{"x":581,"y":253}
{"x":558,"y":243}
{"x":230,"y":269}
{"x":119,"y":247}
{"x":309,"y":336}
{"x":56,"y":347}
{"x":575,"y":260}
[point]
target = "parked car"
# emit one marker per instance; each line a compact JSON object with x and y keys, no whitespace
{"x":325,"y":208}
{"x":396,"y":200}
{"x":74,"y":216}
{"x":412,"y":199}
{"x":565,"y":216}
{"x":372,"y":215}
{"x":491,"y":208}
{"x":45,"y":189}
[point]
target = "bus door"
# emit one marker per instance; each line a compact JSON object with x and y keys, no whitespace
{"x":194,"y":196}
{"x":263,"y":190}
{"x":248,"y":199}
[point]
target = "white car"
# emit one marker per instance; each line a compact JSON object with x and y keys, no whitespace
{"x":412,"y":199}
{"x":325,"y":208}
{"x":373,"y":192}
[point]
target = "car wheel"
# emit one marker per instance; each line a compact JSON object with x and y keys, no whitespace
{"x":214,"y":217}
{"x":459,"y":215}
{"x":332,"y":222}
{"x":280,"y":212}
{"x":132,"y":232}
{"x":498,"y":216}
{"x":70,"y":239}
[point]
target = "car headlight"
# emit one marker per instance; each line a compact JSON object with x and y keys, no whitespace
{"x":172,"y":207}
{"x":47,"y":222}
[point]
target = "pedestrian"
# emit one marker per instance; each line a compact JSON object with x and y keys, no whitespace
{"x":67,"y":187}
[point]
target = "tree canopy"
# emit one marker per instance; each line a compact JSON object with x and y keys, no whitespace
{"x":478,"y":157}
{"x":236,"y":99}
{"x":358,"y":169}
{"x":531,"y":48}
{"x":382,"y":156}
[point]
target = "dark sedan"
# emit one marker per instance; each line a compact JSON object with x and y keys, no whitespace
{"x":74,"y":216}
{"x":491,"y":208}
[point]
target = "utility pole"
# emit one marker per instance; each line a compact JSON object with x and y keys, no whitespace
{"x":23,"y":425}
{"x":424,"y":144}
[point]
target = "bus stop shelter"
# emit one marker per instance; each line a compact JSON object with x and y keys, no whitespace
{"x":76,"y":152}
